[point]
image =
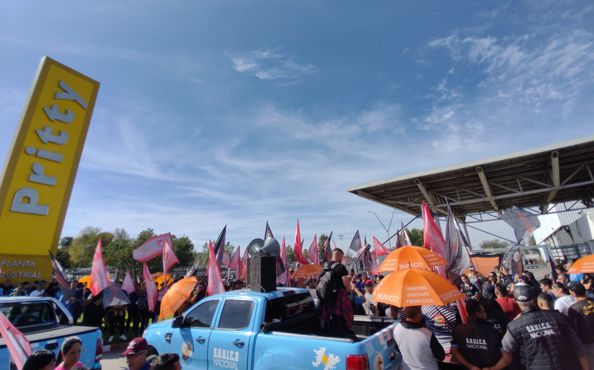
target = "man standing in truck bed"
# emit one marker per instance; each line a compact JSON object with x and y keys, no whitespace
{"x":337,"y":308}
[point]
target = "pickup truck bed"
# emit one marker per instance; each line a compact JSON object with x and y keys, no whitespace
{"x":275,"y":330}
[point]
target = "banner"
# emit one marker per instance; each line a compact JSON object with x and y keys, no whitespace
{"x":485,"y":264}
{"x":151,"y":288}
{"x":169,"y":258}
{"x":39,"y":175}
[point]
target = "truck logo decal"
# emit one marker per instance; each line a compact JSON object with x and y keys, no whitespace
{"x":225,"y":358}
{"x":329,"y":360}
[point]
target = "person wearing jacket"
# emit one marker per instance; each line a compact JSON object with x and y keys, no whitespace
{"x":418,"y":346}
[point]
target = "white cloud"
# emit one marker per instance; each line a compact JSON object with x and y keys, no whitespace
{"x":269,"y":65}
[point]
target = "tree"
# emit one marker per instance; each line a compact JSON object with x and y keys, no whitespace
{"x":416,"y":237}
{"x":494,"y":245}
{"x":290,"y":254}
{"x":118,"y":255}
{"x":63,"y":257}
{"x":66,"y":241}
{"x":83,"y":247}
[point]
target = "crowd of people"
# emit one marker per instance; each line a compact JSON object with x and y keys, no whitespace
{"x":513,"y":321}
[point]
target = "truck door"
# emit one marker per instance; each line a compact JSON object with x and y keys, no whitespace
{"x":191,"y":341}
{"x":230,"y":339}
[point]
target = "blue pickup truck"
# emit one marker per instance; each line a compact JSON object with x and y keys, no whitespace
{"x":46,"y":323}
{"x":244,"y":330}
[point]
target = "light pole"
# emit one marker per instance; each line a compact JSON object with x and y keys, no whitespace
{"x":387,"y":229}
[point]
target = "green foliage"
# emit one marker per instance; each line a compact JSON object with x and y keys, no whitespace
{"x":416,"y":237}
{"x":494,"y":244}
{"x":63,"y":257}
{"x":66,"y":241}
{"x":290,"y":254}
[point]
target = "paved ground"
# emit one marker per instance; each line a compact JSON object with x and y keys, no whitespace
{"x":113,"y":360}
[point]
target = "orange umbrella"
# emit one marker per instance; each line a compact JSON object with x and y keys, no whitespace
{"x":584,"y":265}
{"x":409,"y":256}
{"x":415,"y":288}
{"x":85,"y":280}
{"x":176,"y":296}
{"x":307,"y":271}
{"x":158,"y":278}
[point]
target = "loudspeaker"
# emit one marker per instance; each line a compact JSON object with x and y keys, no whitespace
{"x":262,"y":273}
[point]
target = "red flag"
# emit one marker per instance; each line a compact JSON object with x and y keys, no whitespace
{"x":151,"y":289}
{"x":298,"y":248}
{"x":151,"y":248}
{"x":128,"y":283}
{"x":169,"y":257}
{"x":235,"y":261}
{"x":432,"y":237}
{"x":99,"y":279}
{"x":226,"y":259}
{"x":243,"y":265}
{"x":215,"y":282}
{"x":60,"y":278}
{"x":379,"y":249}
{"x":313,"y":254}
{"x":18,"y":345}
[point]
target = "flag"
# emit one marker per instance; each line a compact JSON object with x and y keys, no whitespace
{"x":99,"y":279}
{"x":226,"y":259}
{"x":215,"y":282}
{"x":521,"y":220}
{"x":432,"y":237}
{"x":513,"y":260}
{"x":298,"y":248}
{"x":312,"y":253}
{"x":235,"y":260}
{"x":169,"y":257}
{"x":379,"y":249}
{"x":355,"y":243}
{"x":151,"y":289}
{"x":193,"y":269}
{"x":243,"y":266}
{"x":456,"y":247}
{"x":128,"y":284}
{"x":60,"y":278}
{"x":17,"y":343}
{"x":364,"y":262}
{"x":328,"y":249}
{"x":151,"y":248}
{"x":283,"y":278}
{"x":268,"y":232}
{"x":219,"y":246}
{"x":551,"y":265}
{"x":403,"y":237}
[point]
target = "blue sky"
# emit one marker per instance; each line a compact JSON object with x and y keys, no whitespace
{"x":238,"y":112}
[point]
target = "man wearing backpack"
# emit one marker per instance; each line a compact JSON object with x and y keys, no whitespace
{"x":337,"y":308}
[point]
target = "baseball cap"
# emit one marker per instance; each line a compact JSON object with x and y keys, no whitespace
{"x":136,"y":345}
{"x":524,"y":293}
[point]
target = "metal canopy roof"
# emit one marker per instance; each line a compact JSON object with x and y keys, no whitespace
{"x":531,"y":179}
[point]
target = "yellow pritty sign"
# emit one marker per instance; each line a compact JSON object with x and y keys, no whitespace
{"x":40,"y":172}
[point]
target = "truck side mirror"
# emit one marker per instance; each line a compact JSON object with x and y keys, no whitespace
{"x":177,"y":322}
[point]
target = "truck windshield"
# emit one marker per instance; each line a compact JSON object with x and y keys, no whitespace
{"x":288,"y":306}
{"x":27,"y":315}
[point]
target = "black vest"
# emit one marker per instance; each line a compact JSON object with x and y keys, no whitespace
{"x":544,"y":340}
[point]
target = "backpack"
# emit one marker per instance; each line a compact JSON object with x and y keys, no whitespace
{"x":326,"y":288}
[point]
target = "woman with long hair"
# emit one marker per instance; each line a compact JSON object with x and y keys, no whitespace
{"x":69,"y":356}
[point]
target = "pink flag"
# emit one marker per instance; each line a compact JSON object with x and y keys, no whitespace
{"x":151,"y":248}
{"x":379,"y":249}
{"x":169,"y":257}
{"x":284,"y":277}
{"x":128,"y":283}
{"x":215,"y":282}
{"x":18,"y":345}
{"x":243,"y":265}
{"x":298,"y":248}
{"x":432,"y":237}
{"x":313,"y":254}
{"x":151,"y":289}
{"x":99,"y":280}
{"x":60,"y":278}
{"x":235,"y":260}
{"x":226,"y":259}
